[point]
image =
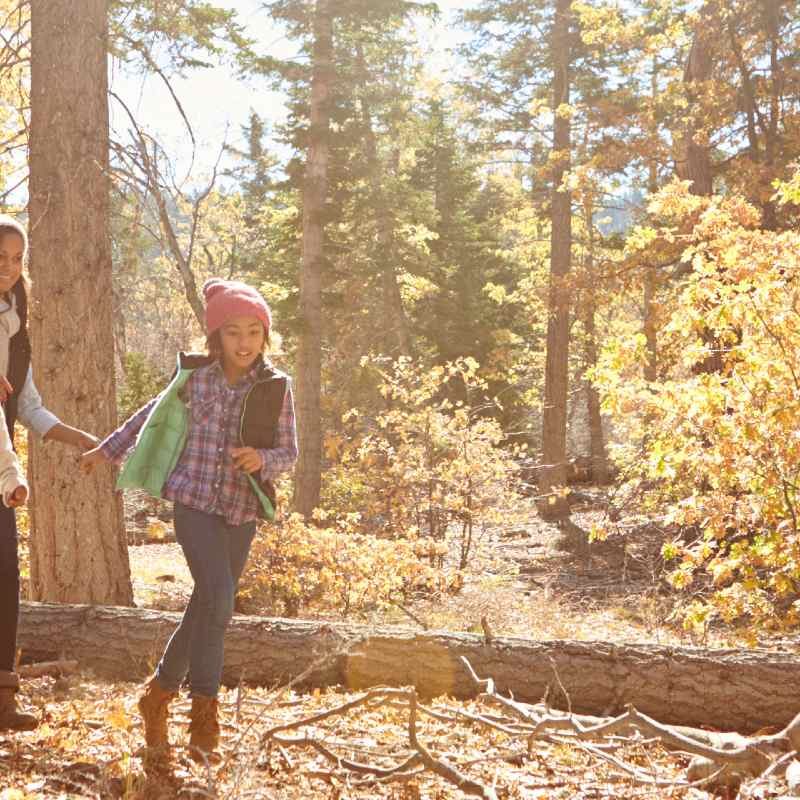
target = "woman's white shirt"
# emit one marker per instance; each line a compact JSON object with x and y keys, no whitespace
{"x":10,"y":471}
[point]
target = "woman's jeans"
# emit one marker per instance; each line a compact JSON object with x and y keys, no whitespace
{"x":9,"y":589}
{"x":216,"y":553}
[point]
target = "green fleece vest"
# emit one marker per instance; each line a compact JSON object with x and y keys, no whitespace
{"x":161,"y":441}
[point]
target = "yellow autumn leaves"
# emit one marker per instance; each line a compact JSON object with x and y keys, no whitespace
{"x":716,"y":453}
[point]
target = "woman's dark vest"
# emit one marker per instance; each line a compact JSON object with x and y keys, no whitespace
{"x":261,"y":410}
{"x":19,"y":356}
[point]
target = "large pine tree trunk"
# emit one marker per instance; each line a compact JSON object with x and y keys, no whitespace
{"x":597,"y":439}
{"x":649,"y":288}
{"x":728,"y":689}
{"x":309,"y":351}
{"x":693,"y":156}
{"x":693,"y":162}
{"x":553,"y":472}
{"x":78,"y":547}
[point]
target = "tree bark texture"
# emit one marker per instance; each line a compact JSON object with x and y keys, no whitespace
{"x":78,"y":547}
{"x":693,"y":157}
{"x":309,"y":350}
{"x":694,"y":153}
{"x":553,"y":472}
{"x":728,"y":689}
{"x":649,"y":287}
{"x":597,"y":440}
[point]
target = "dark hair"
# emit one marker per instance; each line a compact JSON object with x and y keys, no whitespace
{"x":214,"y":343}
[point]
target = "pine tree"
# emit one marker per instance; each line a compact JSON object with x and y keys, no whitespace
{"x":78,"y":551}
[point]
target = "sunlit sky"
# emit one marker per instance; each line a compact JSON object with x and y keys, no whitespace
{"x":216,"y":103}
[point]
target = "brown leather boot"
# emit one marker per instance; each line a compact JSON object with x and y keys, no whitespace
{"x":154,"y":708}
{"x":203,"y":729}
{"x":10,"y":717}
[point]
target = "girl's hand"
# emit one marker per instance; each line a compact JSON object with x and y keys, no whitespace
{"x":5,"y":389}
{"x":17,"y":497}
{"x":92,"y":459}
{"x":247,"y":459}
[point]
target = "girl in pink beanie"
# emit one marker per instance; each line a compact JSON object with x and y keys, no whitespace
{"x":233,"y":414}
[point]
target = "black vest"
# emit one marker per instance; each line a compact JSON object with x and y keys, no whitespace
{"x":261,"y":410}
{"x":19,"y":356}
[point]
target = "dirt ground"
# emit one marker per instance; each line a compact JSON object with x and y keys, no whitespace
{"x":521,"y":581}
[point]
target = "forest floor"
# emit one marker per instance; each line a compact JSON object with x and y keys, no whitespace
{"x":521,"y":582}
{"x":520,"y":579}
{"x":89,"y":746}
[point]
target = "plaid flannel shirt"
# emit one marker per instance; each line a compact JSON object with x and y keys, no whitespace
{"x":205,"y":477}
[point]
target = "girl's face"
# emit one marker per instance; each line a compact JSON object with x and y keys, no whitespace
{"x":12,"y":250}
{"x":242,"y":340}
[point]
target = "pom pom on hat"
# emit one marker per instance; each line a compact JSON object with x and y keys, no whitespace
{"x":226,"y":299}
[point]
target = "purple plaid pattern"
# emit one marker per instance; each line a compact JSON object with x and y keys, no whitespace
{"x":205,"y":478}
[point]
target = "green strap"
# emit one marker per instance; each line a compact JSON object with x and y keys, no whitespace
{"x":269,"y":511}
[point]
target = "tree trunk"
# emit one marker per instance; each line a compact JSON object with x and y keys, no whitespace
{"x":597,"y":442}
{"x":78,"y":547}
{"x":309,"y":351}
{"x":649,"y":288}
{"x":553,"y":472}
{"x":728,"y":689}
{"x":650,"y":336}
{"x":772,"y":12}
{"x":693,"y":157}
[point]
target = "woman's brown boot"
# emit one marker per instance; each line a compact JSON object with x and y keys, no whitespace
{"x":203,"y":729}
{"x":154,"y":708}
{"x":11,"y":718}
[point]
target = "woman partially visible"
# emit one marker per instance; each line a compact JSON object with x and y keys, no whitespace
{"x":21,"y":403}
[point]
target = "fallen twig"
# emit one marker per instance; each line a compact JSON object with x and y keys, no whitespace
{"x":440,"y":767}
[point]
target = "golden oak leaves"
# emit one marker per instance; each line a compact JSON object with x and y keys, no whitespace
{"x":404,"y":498}
{"x":717,"y":455}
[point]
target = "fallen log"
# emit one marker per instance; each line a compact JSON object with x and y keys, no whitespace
{"x":742,"y":690}
{"x":54,"y":668}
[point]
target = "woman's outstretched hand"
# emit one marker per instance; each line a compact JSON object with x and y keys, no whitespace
{"x":91,"y":459}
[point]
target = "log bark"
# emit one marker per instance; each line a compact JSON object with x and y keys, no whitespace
{"x":727,"y":689}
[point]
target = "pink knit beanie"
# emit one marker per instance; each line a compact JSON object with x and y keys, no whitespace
{"x":226,"y":299}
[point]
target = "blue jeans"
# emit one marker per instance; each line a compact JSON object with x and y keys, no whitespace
{"x":216,"y":553}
